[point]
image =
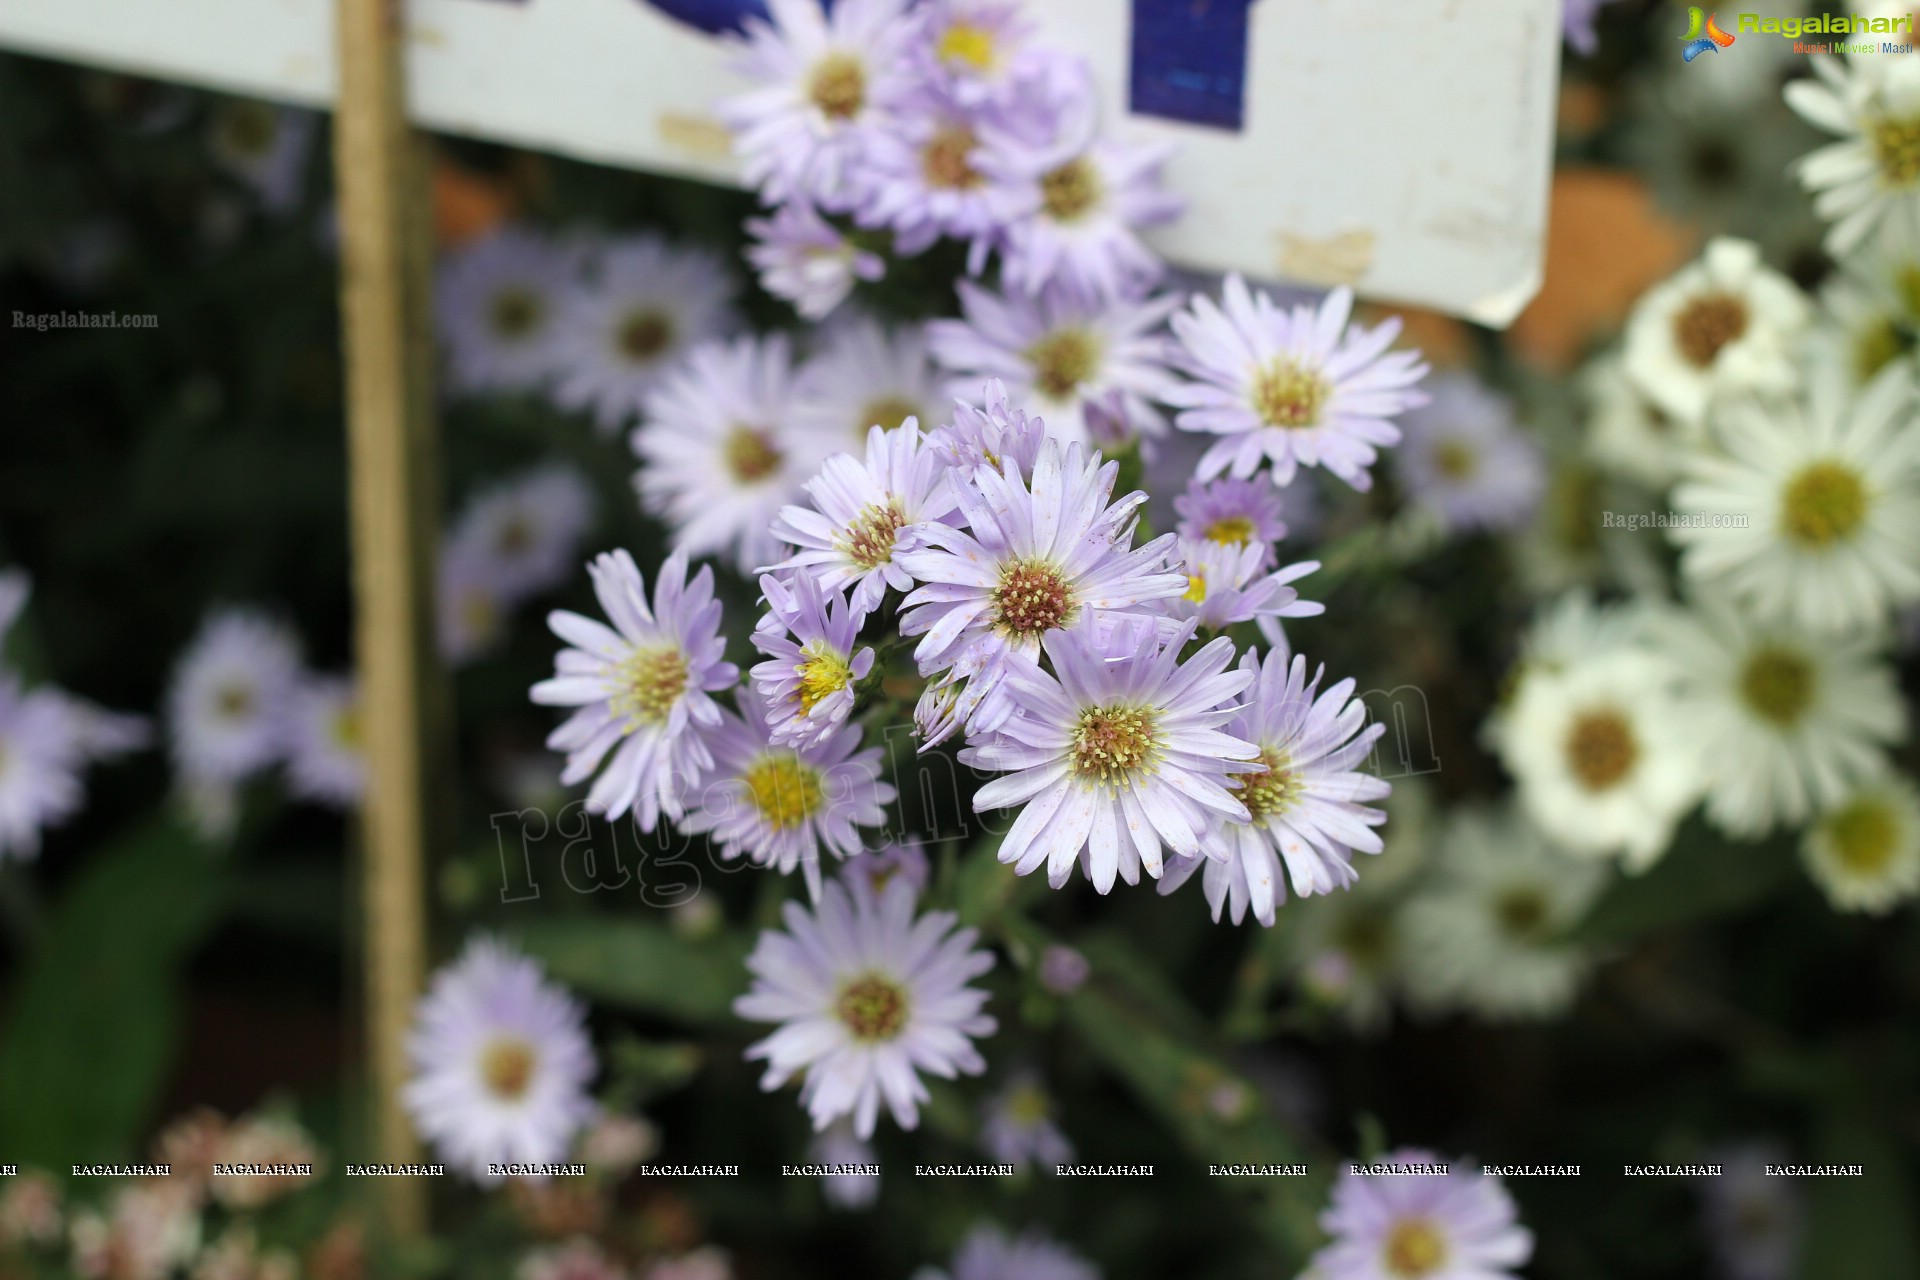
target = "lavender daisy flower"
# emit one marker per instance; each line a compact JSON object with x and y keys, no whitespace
{"x":866,"y":516}
{"x":266,"y":147}
{"x":325,"y":759}
{"x":867,"y":996}
{"x":1057,"y":351}
{"x":1074,"y":199}
{"x":646,"y":305}
{"x":718,"y":453}
{"x":1017,"y":1125}
{"x":1295,"y":388}
{"x":779,"y":805}
{"x":1232,"y":513}
{"x":922,"y":183}
{"x":811,"y":640}
{"x":902,"y":860}
{"x":988,"y":1253}
{"x":838,"y":1146}
{"x":1467,"y":461}
{"x":864,"y":376}
{"x":497,"y":303}
{"x":1031,"y":561}
{"x":525,"y":531}
{"x":982,"y":437}
{"x":501,"y":1062}
{"x":972,"y":50}
{"x":1225,"y":586}
{"x":642,"y":685}
{"x":227,"y":706}
{"x":470,"y":609}
{"x":807,"y":260}
{"x":823,"y":84}
{"x":1115,"y":754}
{"x":1440,"y":1225}
{"x":1306,"y":799}
{"x":40,"y":764}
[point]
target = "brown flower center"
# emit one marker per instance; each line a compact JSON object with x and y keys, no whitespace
{"x":506,"y":1067}
{"x":644,"y":335}
{"x":1111,"y":744}
{"x":946,"y":159}
{"x":838,"y":86}
{"x":1032,"y":597}
{"x":886,"y":412}
{"x":1455,"y":459}
{"x":873,"y":1007}
{"x":1069,"y":192}
{"x":1522,"y":912}
{"x":750,"y":454}
{"x":516,"y":313}
{"x":1708,"y":322}
{"x":869,"y":540}
{"x":233,"y":701}
{"x":1601,"y":749}
{"x":1062,"y":361}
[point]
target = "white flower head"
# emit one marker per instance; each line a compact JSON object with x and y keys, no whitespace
{"x":1865,"y":850}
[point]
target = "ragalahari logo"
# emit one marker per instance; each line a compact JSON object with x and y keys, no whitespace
{"x":1703,"y":34}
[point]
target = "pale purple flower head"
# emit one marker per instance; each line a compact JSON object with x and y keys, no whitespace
{"x":823,"y":85}
{"x":988,"y":1253}
{"x":780,"y":805}
{"x":1074,"y":198}
{"x":921,"y":180}
{"x":838,"y":1145}
{"x":866,"y":516}
{"x":470,"y":609}
{"x":1063,"y":970}
{"x":40,"y":766}
{"x":1577,"y":19}
{"x":972,"y":50}
{"x":1116,"y":754}
{"x":1225,"y":586}
{"x":1466,"y":460}
{"x":1031,"y":561}
{"x":814,"y":659}
{"x":501,"y":1063}
{"x":1018,"y":1125}
{"x":868,"y":995}
{"x":523,"y":533}
{"x":1057,"y":351}
{"x":864,"y":375}
{"x":1297,"y":388}
{"x":645,"y":304}
{"x":902,"y":860}
{"x":1307,"y":800}
{"x":982,"y":437}
{"x":807,"y":260}
{"x":1232,"y":513}
{"x":1456,"y":1225}
{"x":227,"y":706}
{"x":498,"y":303}
{"x":643,"y":688}
{"x":266,"y":147}
{"x":326,"y":760}
{"x":1755,"y":1223}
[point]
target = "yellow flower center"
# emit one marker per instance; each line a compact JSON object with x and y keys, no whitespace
{"x":1027,"y":1106}
{"x":1778,"y":685}
{"x":1196,"y":588}
{"x":873,"y":1007}
{"x":1031,"y":597}
{"x":516,"y":313}
{"x":967,"y":43}
{"x":1111,"y":744}
{"x":946,"y":160}
{"x":1708,"y":322}
{"x":1455,"y":459}
{"x":1896,"y":147}
{"x":1231,"y":529}
{"x":651,"y":681}
{"x":1415,"y":1247}
{"x":644,"y":335}
{"x":750,"y":454}
{"x":506,"y":1067}
{"x":1289,"y":394}
{"x":785,"y":789}
{"x":1069,"y":192}
{"x":822,"y":674}
{"x":869,"y":540}
{"x":1062,"y":361}
{"x":838,"y":86}
{"x":1863,"y":836}
{"x":1601,"y":749}
{"x":345,"y":728}
{"x":887,"y":412}
{"x":1877,"y":346}
{"x":1270,"y":791}
{"x":1824,"y":504}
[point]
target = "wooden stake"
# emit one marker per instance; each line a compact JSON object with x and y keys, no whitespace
{"x":385,"y":273}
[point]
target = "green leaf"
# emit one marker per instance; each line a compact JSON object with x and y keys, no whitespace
{"x":94,"y":1016}
{"x":1702,"y":877}
{"x":642,"y":966}
{"x":1861,"y":1228}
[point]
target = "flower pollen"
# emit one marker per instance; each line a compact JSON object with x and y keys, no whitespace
{"x":750,"y":455}
{"x":506,"y":1067}
{"x":869,"y":539}
{"x":1823,"y":504}
{"x":1111,"y":744}
{"x":838,"y":86}
{"x":1069,"y":192}
{"x":873,"y":1007}
{"x":1864,"y":835}
{"x":1271,"y":790}
{"x":1229,"y":530}
{"x":784,"y":788}
{"x":1896,"y":149}
{"x":1778,"y":685}
{"x":1414,"y":1248}
{"x":651,"y":682}
{"x":1707,"y":323}
{"x":1062,"y":361}
{"x":887,"y":412}
{"x":1601,"y":748}
{"x":967,"y":43}
{"x":1289,"y":394}
{"x":946,"y":160}
{"x":822,"y":674}
{"x":1032,"y":597}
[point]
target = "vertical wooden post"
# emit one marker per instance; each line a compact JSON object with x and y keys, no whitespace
{"x":385,"y":277}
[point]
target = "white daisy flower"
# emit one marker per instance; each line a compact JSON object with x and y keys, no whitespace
{"x":867,"y":996}
{"x":1484,"y":933}
{"x":1605,"y":762}
{"x":864,"y":376}
{"x":1863,"y":325}
{"x":781,"y":805}
{"x":1628,"y":434}
{"x":1787,"y":723}
{"x":226,"y":709}
{"x":719,"y":455}
{"x":644,"y":306}
{"x":1865,"y":851}
{"x":1296,"y":388}
{"x":498,"y":302}
{"x":501,"y":1062}
{"x":326,"y":760}
{"x":1831,"y":490}
{"x":1725,"y":326}
{"x":642,"y":687}
{"x":1871,"y":177}
{"x":1459,"y":1225}
{"x":863,"y":513}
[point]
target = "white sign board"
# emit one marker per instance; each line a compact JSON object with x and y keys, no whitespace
{"x":1402,"y":146}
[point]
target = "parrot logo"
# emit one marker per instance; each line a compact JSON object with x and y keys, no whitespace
{"x":1703,"y":34}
